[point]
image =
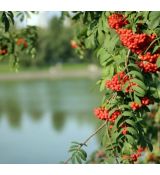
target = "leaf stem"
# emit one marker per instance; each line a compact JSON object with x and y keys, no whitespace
{"x":127,"y":60}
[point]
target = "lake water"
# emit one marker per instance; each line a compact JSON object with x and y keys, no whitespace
{"x":39,"y":119}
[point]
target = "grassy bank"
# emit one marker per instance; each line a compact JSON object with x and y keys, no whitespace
{"x":54,"y":72}
{"x":6,"y":68}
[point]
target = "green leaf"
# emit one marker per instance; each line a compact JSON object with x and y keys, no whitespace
{"x":82,"y":154}
{"x":72,"y":149}
{"x":155,"y":48}
{"x":139,"y":83}
{"x":126,"y":148}
{"x":109,"y":62}
{"x":102,"y":86}
{"x":120,"y":120}
{"x":127,"y":113}
{"x":139,"y":91}
{"x":134,"y":66}
{"x":154,"y":19}
{"x":78,"y":158}
{"x":100,"y":36}
{"x":5,"y":20}
{"x":150,"y":146}
{"x":73,"y":159}
{"x":130,"y":139}
{"x":132,"y":131}
{"x":137,"y":99}
{"x":130,"y":122}
{"x":136,"y":74}
{"x":90,"y":41}
{"x":158,"y":62}
{"x":124,"y":107}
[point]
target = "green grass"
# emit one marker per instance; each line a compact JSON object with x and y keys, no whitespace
{"x":5,"y":68}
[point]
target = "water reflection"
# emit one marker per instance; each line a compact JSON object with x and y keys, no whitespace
{"x":58,"y":120}
{"x":58,"y":111}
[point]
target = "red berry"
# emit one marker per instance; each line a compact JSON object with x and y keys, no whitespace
{"x":22,"y":41}
{"x":135,"y":105}
{"x":124,"y":131}
{"x":134,"y":157}
{"x":74,"y":44}
{"x":145,"y":101}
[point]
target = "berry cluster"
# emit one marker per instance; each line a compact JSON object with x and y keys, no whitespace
{"x":117,"y":81}
{"x":137,"y":43}
{"x":136,"y":155}
{"x":103,"y":114}
{"x":149,"y":57}
{"x":3,"y":51}
{"x":22,"y":42}
{"x":117,"y":21}
{"x":144,"y":102}
{"x":148,"y":67}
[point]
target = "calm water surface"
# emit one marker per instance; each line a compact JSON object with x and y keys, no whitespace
{"x":39,"y":119}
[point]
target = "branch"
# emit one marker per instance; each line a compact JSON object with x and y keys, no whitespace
{"x":127,"y":60}
{"x":85,"y":142}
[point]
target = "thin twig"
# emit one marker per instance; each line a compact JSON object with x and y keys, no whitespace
{"x":151,"y":44}
{"x":127,"y":60}
{"x":85,"y":142}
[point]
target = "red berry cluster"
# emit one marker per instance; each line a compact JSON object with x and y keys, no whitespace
{"x":144,"y":102}
{"x":136,"y":155}
{"x":117,"y":21}
{"x":22,"y":41}
{"x":152,"y":58}
{"x":148,"y":67}
{"x":3,"y":51}
{"x":103,"y":114}
{"x":117,"y":81}
{"x":137,"y":43}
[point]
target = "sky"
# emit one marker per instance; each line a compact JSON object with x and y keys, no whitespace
{"x":41,"y":19}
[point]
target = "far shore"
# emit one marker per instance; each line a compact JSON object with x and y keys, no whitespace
{"x":53,"y":73}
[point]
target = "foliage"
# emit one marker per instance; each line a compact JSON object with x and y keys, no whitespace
{"x":127,"y":47}
{"x":15,"y":43}
{"x":55,"y":43}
